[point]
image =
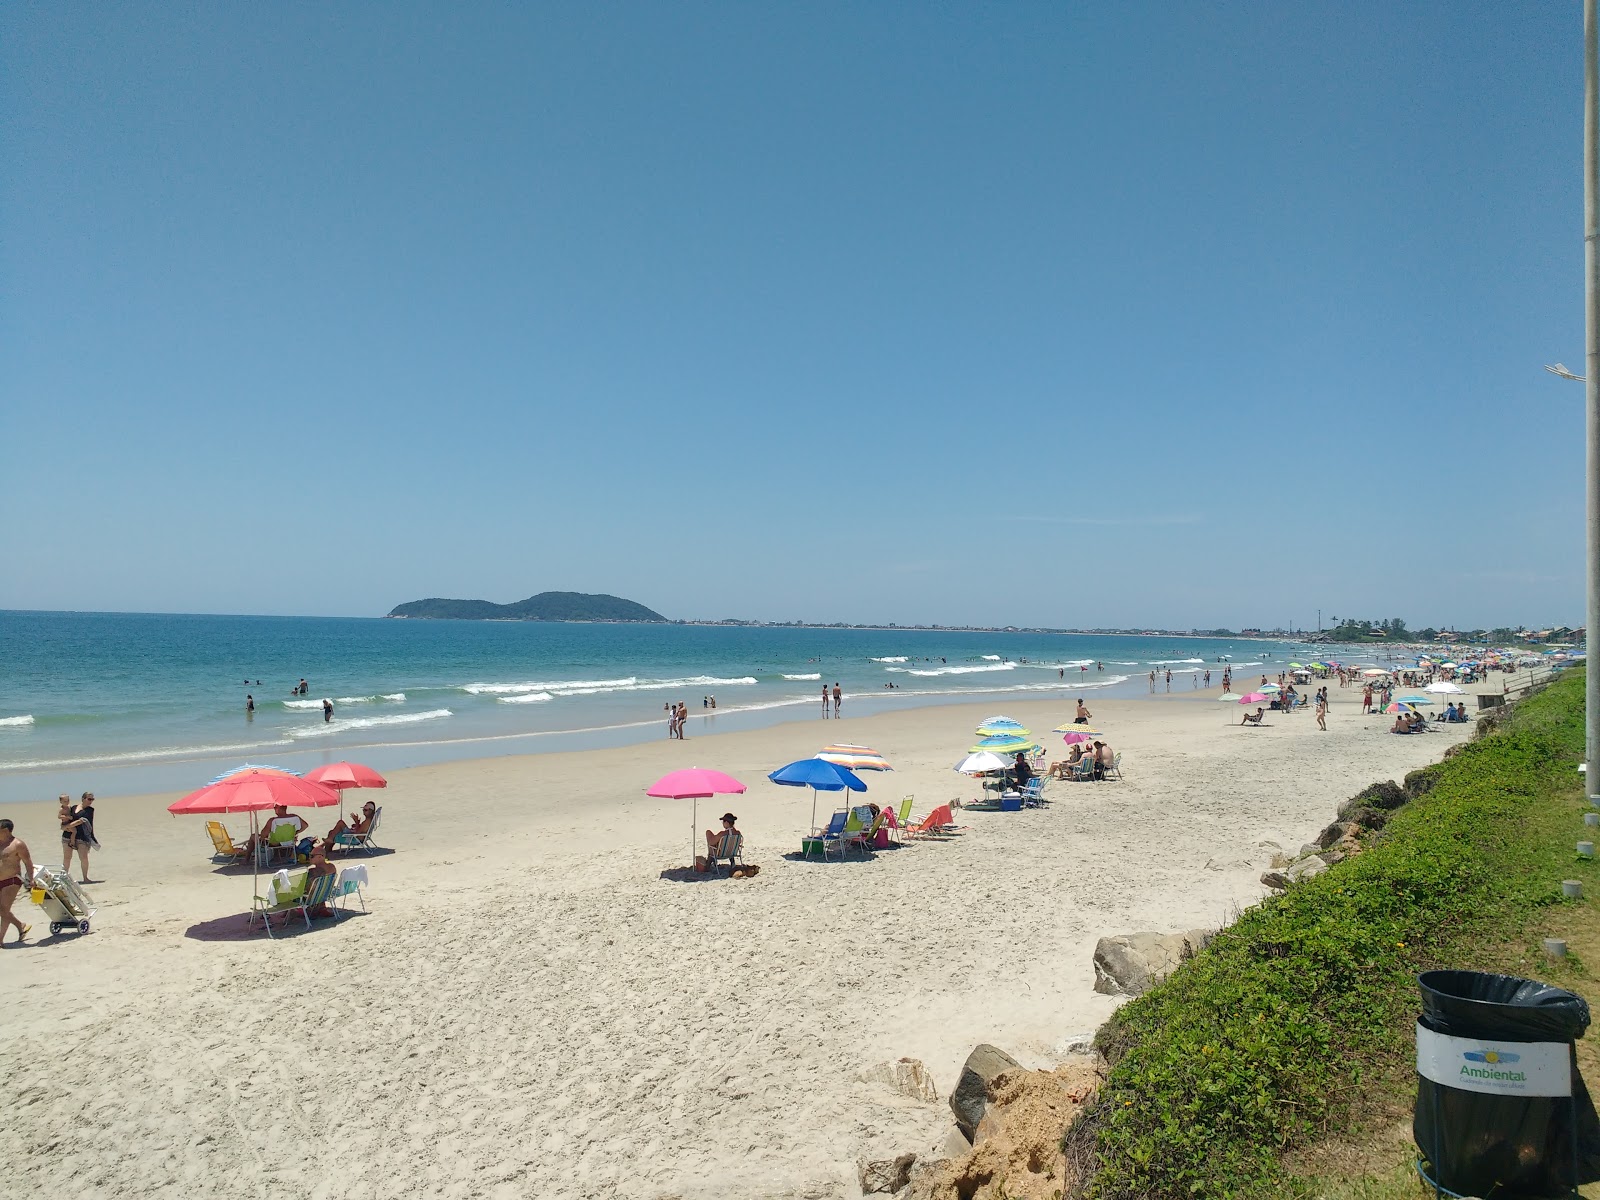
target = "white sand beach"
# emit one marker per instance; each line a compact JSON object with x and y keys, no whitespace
{"x":529,"y":1009}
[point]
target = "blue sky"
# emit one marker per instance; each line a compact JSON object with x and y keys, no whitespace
{"x":1061,"y":313}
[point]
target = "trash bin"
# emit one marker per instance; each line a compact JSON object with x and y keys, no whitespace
{"x":1501,"y":1109}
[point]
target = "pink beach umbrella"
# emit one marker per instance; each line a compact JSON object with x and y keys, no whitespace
{"x":1255,"y":698}
{"x":343,"y":775}
{"x":1070,"y":738}
{"x":693,"y":783}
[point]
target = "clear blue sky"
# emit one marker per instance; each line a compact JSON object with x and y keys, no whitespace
{"x":1019,"y":313}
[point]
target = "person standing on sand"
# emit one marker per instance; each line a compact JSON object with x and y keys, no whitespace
{"x":16,"y":867}
{"x":683,"y":717}
{"x":1083,"y":715}
{"x":1152,"y":681}
{"x":838,"y":698}
{"x":1322,"y":712}
{"x":825,"y":699}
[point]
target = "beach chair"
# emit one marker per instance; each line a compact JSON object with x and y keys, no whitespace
{"x":855,"y":831}
{"x":1083,"y":770}
{"x":349,"y":880}
{"x":833,"y":835}
{"x":280,"y":841}
{"x":222,"y":844}
{"x":869,"y":839}
{"x":730,"y":848}
{"x":934,"y":824}
{"x":1033,"y":792}
{"x":902,"y":819}
{"x":360,"y":841}
{"x":1116,"y":766}
{"x":299,"y":899}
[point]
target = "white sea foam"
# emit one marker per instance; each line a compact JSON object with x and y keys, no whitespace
{"x":397,"y":697}
{"x":511,"y":689}
{"x":328,"y":727}
{"x":813,"y":675}
{"x":1004,"y":666}
{"x":893,"y":658}
{"x":656,"y":685}
{"x":316,"y":704}
{"x":526,"y":698}
{"x":18,"y":722}
{"x":1172,"y":662}
{"x":990,"y":657}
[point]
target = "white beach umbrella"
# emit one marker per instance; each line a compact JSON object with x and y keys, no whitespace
{"x":1443,"y":688}
{"x":981,"y":763}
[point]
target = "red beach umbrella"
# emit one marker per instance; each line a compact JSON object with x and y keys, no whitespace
{"x":692,"y":783}
{"x":347,"y":775}
{"x":256,"y":790}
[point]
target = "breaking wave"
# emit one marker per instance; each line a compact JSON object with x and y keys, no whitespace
{"x":813,"y":675}
{"x":369,"y":723}
{"x":18,"y":722}
{"x":930,"y":671}
{"x":525,"y":698}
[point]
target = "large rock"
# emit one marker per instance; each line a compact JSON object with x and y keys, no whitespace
{"x":970,"y":1100}
{"x":1275,"y":879}
{"x":906,"y":1076}
{"x":1336,"y":833}
{"x":1306,"y":868}
{"x":887,"y":1175}
{"x":1132,"y":963}
{"x":1019,"y":1154}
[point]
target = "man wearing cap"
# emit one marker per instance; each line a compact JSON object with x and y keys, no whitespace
{"x":281,"y":815}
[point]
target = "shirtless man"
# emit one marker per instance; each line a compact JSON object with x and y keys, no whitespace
{"x":838,"y":697}
{"x":16,"y":870}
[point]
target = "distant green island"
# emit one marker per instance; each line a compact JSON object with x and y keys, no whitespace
{"x":546,"y":606}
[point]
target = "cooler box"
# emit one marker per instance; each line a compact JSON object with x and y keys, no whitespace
{"x":810,"y":846}
{"x":1010,"y":803}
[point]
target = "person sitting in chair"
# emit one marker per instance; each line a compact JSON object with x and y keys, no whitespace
{"x":361,"y":825}
{"x":1252,"y":718}
{"x":1401,"y":725}
{"x":1021,"y":772}
{"x":1104,"y":759}
{"x":714,"y":838}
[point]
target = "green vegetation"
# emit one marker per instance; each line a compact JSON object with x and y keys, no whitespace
{"x":1299,"y":1017}
{"x":546,"y":606}
{"x":1352,"y":630}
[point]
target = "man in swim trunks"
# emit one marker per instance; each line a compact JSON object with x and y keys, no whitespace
{"x":16,"y":870}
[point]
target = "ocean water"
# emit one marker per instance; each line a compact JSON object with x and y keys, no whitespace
{"x":118,"y":703}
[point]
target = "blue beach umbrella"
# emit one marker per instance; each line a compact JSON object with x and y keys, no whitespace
{"x":819,"y":775}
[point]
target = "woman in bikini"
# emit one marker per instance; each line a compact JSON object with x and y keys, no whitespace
{"x":72,"y":826}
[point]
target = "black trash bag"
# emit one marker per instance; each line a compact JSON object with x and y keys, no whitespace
{"x":1504,"y":1145}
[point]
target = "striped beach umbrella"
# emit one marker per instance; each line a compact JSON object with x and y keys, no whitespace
{"x":857,"y":758}
{"x":1005,"y":744}
{"x":1071,"y":728}
{"x":999,"y":726}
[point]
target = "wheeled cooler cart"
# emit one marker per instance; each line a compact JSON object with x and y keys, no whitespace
{"x":63,"y":901}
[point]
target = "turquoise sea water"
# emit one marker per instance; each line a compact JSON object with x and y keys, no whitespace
{"x":116,"y":702}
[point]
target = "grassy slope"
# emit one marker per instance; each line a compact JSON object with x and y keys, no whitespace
{"x":1297,"y":1022}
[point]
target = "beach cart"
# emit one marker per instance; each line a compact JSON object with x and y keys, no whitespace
{"x":62,"y":900}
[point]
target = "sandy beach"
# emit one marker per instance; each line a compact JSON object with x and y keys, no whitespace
{"x":529,"y":1008}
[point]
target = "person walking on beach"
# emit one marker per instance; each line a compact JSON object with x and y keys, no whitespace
{"x":683,"y":717}
{"x":1322,"y":712}
{"x":1208,"y":676}
{"x":1169,"y":679}
{"x":825,"y":699}
{"x":16,"y":868}
{"x":672,"y":719}
{"x":1083,"y":716}
{"x":1152,"y":681}
{"x":838,"y":698}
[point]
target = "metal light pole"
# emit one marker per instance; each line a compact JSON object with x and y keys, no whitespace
{"x":1591,"y":386}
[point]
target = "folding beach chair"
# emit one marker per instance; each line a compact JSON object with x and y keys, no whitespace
{"x":729,"y":848}
{"x":902,"y":819}
{"x":1116,"y":766}
{"x":301,"y":899}
{"x":281,"y":839}
{"x":833,"y":835}
{"x":360,"y":841}
{"x":1033,"y":792}
{"x":349,"y":880}
{"x":222,"y":843}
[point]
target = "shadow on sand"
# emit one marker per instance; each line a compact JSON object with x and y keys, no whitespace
{"x":237,"y":927}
